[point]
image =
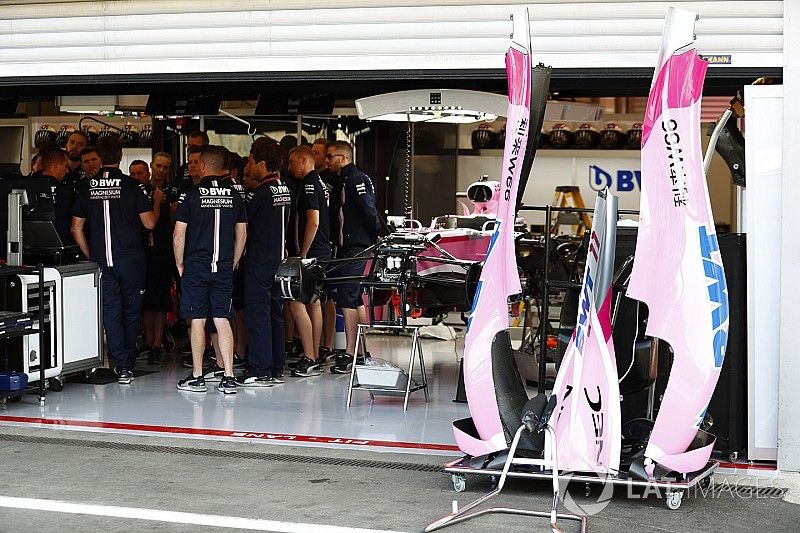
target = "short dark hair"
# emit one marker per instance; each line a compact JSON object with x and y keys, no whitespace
{"x":88,"y":150}
{"x":237,"y":163}
{"x":109,"y":149}
{"x":270,"y":152}
{"x":138,"y":162}
{"x":81,"y":133}
{"x":201,"y":134}
{"x":214,"y":157}
{"x":227,"y":164}
{"x":196,"y":149}
{"x":52,"y":157}
{"x":343,"y":147}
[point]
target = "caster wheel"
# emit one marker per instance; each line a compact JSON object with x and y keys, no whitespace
{"x":494,"y":482}
{"x":56,"y":384}
{"x":673,"y":500}
{"x":459,"y":482}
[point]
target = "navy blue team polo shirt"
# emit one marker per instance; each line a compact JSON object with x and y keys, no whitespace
{"x":211,"y":211}
{"x":112,"y":203}
{"x":314,"y":195}
{"x":268,"y":209}
{"x":360,"y":218}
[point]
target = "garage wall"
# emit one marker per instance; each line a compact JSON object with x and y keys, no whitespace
{"x":178,"y":36}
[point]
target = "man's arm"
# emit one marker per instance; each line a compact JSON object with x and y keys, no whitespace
{"x":312,"y":224}
{"x":158,"y":195}
{"x":77,"y":233}
{"x":238,"y":246}
{"x":148,"y":219}
{"x":178,"y":244}
{"x":365,"y":197}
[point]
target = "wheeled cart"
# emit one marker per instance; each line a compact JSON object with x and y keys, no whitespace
{"x":36,"y":305}
{"x":673,"y":491}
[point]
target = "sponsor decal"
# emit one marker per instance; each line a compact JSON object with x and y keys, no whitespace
{"x":105,"y":189}
{"x":717,"y":293}
{"x":622,"y":180}
{"x":215,"y":197}
{"x":717,"y":59}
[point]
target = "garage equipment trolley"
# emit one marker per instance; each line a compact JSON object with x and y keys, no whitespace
{"x":15,"y":323}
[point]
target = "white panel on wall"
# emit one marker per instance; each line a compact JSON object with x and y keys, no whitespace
{"x":763,"y":152}
{"x":183,"y":36}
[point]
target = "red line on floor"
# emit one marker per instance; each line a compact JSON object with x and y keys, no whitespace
{"x":747,"y":466}
{"x":262,"y":435}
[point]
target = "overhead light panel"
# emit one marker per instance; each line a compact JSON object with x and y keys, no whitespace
{"x":452,"y":106}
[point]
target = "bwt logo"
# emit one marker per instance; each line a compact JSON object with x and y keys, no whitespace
{"x":215,"y":191}
{"x":626,"y":180}
{"x":105,"y":182}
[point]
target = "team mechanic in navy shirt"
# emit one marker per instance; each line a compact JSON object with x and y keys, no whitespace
{"x":312,"y":240}
{"x":359,"y":230}
{"x":209,"y":238}
{"x":268,"y":210}
{"x":116,"y":207}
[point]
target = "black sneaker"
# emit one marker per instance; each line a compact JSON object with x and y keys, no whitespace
{"x":156,"y":356}
{"x":343,"y":364}
{"x":277,"y":378}
{"x":227,"y":385}
{"x":306,"y":367}
{"x":143,"y":351}
{"x":213,"y":373}
{"x":186,"y":359}
{"x":239,"y":362}
{"x":124,"y":377}
{"x":326,"y":356}
{"x":254,"y":381}
{"x":192,"y":384}
{"x":169,"y":342}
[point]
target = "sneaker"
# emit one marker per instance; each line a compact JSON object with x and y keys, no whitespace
{"x":227,"y":385}
{"x":124,"y":377}
{"x":254,"y":381}
{"x":306,"y":367}
{"x":156,"y":356}
{"x":144,"y":350}
{"x":213,"y":373}
{"x":186,"y":359}
{"x":277,"y":378}
{"x":192,"y":384}
{"x":343,"y":364}
{"x":239,"y":362}
{"x":169,"y":342}
{"x":326,"y":356}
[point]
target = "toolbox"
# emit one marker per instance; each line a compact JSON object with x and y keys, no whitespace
{"x":12,"y":381}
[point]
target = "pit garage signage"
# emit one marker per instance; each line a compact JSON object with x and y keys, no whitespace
{"x":619,"y":180}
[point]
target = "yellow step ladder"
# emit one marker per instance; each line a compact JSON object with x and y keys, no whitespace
{"x":569,"y":196}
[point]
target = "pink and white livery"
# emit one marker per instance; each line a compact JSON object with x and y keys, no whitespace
{"x":677,"y":269}
{"x":588,"y":423}
{"x":499,"y":278}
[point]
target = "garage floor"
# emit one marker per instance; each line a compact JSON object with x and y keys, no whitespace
{"x":308,"y":411}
